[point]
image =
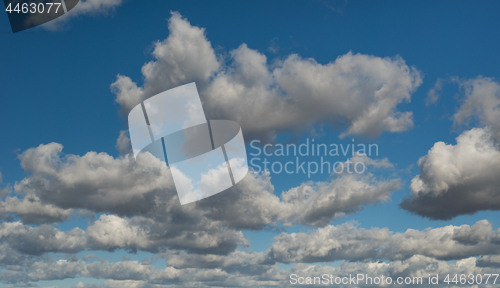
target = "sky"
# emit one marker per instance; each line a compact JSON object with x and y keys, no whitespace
{"x":419,"y":80}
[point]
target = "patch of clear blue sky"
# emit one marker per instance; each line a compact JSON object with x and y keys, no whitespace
{"x":55,"y":85}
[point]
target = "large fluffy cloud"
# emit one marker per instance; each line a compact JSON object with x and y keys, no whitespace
{"x":100,"y":183}
{"x":94,"y":181}
{"x":292,"y":94}
{"x":463,"y":178}
{"x":457,"y":179}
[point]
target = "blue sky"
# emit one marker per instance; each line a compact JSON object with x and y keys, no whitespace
{"x":56,"y":87}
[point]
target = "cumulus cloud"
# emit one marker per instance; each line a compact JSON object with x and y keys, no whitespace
{"x":111,"y":232}
{"x":252,"y":204}
{"x":94,"y":181}
{"x":463,"y":178}
{"x":348,"y":242}
{"x":41,"y":239}
{"x":457,"y":179}
{"x":152,"y":218}
{"x":100,"y":183}
{"x":316,"y":204}
{"x":31,"y":211}
{"x":292,"y":94}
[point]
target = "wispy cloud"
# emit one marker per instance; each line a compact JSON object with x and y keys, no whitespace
{"x":84,"y":7}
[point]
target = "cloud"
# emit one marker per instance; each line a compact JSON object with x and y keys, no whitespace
{"x":101,"y":183}
{"x":111,"y":232}
{"x":434,"y":93}
{"x":329,"y":243}
{"x":347,"y":242}
{"x":248,"y":263}
{"x":316,"y":204}
{"x":252,"y":204}
{"x":408,"y":254}
{"x":457,"y":179}
{"x":84,"y":7}
{"x":41,"y":239}
{"x":489,"y":261}
{"x":136,"y":274}
{"x":123,"y":144}
{"x":145,"y":213}
{"x":358,"y":92}
{"x":31,"y":211}
{"x":94,"y":181}
{"x":481,"y":102}
{"x":416,"y":266}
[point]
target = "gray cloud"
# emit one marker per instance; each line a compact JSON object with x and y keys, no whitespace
{"x":41,"y":239}
{"x":434,"y":93}
{"x":95,"y":181}
{"x":412,"y":253}
{"x":347,"y":242}
{"x":481,"y":102}
{"x":489,"y":261}
{"x":101,"y":183}
{"x":31,"y":211}
{"x":135,"y":274}
{"x":457,"y":179}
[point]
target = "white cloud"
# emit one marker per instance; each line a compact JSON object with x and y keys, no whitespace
{"x":290,"y":95}
{"x":186,"y":55}
{"x":463,"y":178}
{"x":316,"y":204}
{"x":457,"y":179}
{"x":110,"y":232}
